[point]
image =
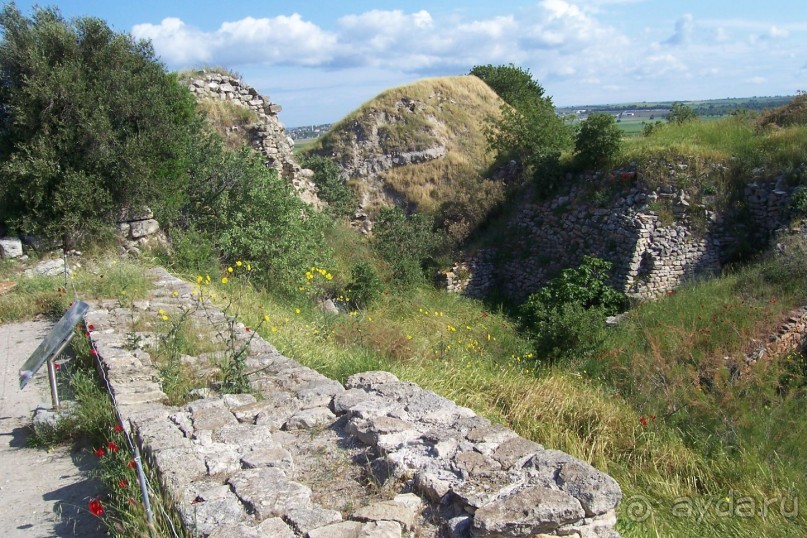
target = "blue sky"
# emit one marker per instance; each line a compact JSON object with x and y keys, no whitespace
{"x":321,"y":59}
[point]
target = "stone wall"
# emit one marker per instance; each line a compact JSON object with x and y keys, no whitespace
{"x":655,"y":239}
{"x":309,"y":457}
{"x":268,"y":136}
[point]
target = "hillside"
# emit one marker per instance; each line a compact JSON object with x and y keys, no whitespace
{"x":420,"y":146}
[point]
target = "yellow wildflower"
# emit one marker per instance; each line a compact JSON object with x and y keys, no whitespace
{"x":229,"y":269}
{"x":238,"y":263}
{"x":225,"y":280}
{"x":175,"y":293}
{"x":266,"y":317}
{"x":199,"y":279}
{"x":296,"y":310}
{"x":165,"y":318}
{"x":274,"y":329}
{"x":249,"y":267}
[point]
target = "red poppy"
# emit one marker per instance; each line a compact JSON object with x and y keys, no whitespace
{"x":99,"y":452}
{"x":123,"y":483}
{"x":56,"y":366}
{"x":112,"y":446}
{"x":91,"y":327}
{"x":248,"y":329}
{"x":96,"y":508}
{"x":643,"y":421}
{"x":131,"y":464}
{"x":653,"y":417}
{"x":93,"y":353}
{"x":118,"y":428}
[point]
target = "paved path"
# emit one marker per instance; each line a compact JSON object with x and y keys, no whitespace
{"x":42,"y":493}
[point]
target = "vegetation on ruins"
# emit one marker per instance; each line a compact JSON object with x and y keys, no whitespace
{"x":664,"y":401}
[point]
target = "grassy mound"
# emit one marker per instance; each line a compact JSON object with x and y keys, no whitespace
{"x":444,"y":114}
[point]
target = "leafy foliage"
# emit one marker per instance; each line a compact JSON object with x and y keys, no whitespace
{"x":513,"y":84}
{"x":407,"y":242}
{"x":681,"y":113}
{"x":528,"y":131}
{"x":90,"y":124}
{"x":365,"y":285}
{"x":598,"y":141}
{"x":566,"y":317}
{"x":342,"y":200}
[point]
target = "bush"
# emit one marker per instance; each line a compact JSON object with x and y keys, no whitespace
{"x":365,"y":285}
{"x":90,"y":124}
{"x":341,"y":199}
{"x":681,"y":113}
{"x":193,"y":252}
{"x":566,"y":317}
{"x":513,"y":84}
{"x":407,"y":242}
{"x":598,"y":141}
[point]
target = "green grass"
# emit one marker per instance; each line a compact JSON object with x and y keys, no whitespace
{"x":713,"y":437}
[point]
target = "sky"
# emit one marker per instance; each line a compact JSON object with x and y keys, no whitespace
{"x":321,"y":59}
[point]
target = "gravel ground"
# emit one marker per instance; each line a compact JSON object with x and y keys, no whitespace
{"x":42,"y":493}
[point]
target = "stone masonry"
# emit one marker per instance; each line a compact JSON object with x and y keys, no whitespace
{"x":268,"y":136}
{"x":308,"y":457}
{"x":655,"y":239}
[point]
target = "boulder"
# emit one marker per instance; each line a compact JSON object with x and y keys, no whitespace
{"x":10,"y":247}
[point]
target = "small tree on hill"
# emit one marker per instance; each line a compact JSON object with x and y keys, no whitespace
{"x":681,"y":113}
{"x":598,"y":140}
{"x":513,"y":84}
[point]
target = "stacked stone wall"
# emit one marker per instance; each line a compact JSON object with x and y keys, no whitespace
{"x":268,"y":136}
{"x":306,"y":456}
{"x":655,"y":239}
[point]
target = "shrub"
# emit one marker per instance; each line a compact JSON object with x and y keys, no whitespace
{"x":341,"y":199}
{"x":598,"y":141}
{"x":681,"y":113}
{"x":513,"y":84}
{"x":566,"y":317}
{"x":365,"y":285}
{"x":407,"y":242}
{"x":91,"y":124}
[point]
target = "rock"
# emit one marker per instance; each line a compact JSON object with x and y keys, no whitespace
{"x":276,"y":528}
{"x":387,"y":511}
{"x":527,"y":512}
{"x":143,"y":228}
{"x":48,"y":268}
{"x":310,"y":418}
{"x":303,"y":520}
{"x":267,"y":492}
{"x":268,"y":457}
{"x":459,"y":527}
{"x":10,"y":247}
{"x":597,"y":492}
{"x":345,"y":529}
{"x":381,"y":529}
{"x":368,"y":380}
{"x":213,"y":418}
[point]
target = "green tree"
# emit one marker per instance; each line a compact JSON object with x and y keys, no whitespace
{"x":533,"y":135}
{"x":598,"y":140}
{"x":513,"y":84}
{"x":681,"y":113}
{"x":90,"y":124}
{"x":528,"y":131}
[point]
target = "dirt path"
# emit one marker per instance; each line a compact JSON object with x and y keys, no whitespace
{"x":42,"y":493}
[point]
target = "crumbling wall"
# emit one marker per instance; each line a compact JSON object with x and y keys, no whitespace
{"x":311,"y":457}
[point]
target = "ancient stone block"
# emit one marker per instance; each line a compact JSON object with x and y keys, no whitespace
{"x":526,"y":512}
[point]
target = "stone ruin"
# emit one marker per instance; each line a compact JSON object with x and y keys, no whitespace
{"x":268,"y":135}
{"x":309,"y":457}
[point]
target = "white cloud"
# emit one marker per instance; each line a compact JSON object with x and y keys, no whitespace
{"x":278,"y":40}
{"x":683,"y":31}
{"x":758,"y":80}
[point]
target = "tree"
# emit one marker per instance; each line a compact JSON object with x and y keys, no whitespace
{"x":681,"y":113}
{"x":598,"y":140}
{"x":529,"y":131}
{"x":513,"y":84}
{"x":341,"y":199}
{"x":90,"y":124}
{"x":533,"y":135}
